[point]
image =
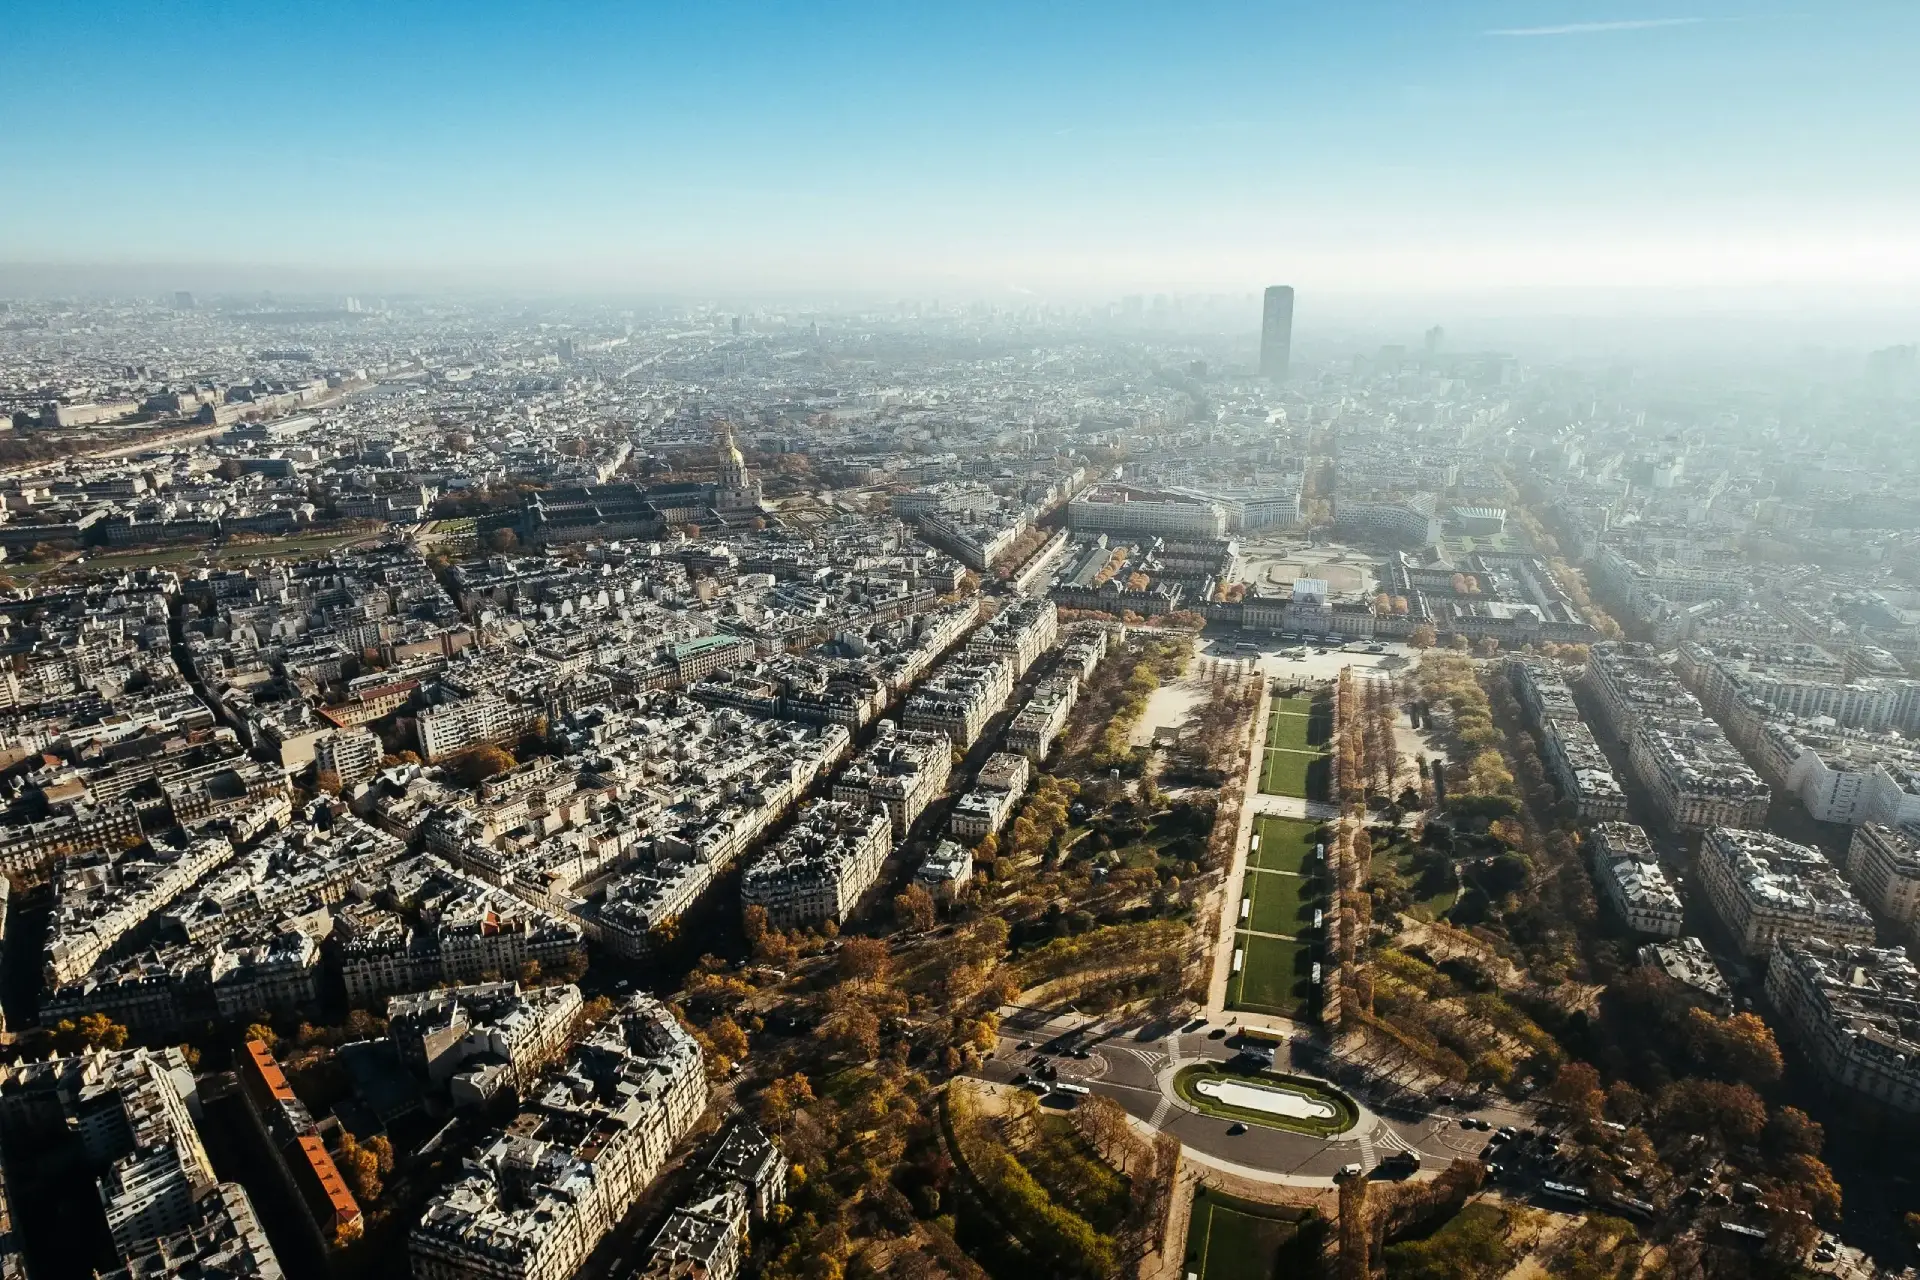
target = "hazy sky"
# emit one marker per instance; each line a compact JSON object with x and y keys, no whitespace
{"x":1343,"y":145}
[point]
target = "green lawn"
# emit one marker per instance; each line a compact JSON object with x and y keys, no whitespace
{"x":1229,"y":1239}
{"x":1429,"y":906}
{"x":1281,"y":903}
{"x":1288,"y":716}
{"x":1345,"y":1114}
{"x":1286,"y":844}
{"x":1276,"y":977}
{"x":1302,"y":774}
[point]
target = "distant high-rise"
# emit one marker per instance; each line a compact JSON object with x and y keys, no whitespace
{"x":1276,"y":333}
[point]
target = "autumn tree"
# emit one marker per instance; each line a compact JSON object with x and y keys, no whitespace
{"x":864,"y":959}
{"x":1577,"y":1088}
{"x":753,"y":924}
{"x":913,"y":909}
{"x":779,"y":1099}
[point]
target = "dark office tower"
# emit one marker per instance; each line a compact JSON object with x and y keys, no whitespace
{"x":1276,"y":333}
{"x":736,"y":326}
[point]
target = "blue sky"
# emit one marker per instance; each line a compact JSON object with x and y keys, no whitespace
{"x":1357,"y":145}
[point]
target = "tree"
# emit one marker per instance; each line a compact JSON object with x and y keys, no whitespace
{"x":780,"y":1098}
{"x":502,"y":540}
{"x":728,"y":1039}
{"x":856,"y":1033}
{"x":753,"y":923}
{"x":1791,"y":1131}
{"x":1422,"y":637}
{"x":263,"y":1033}
{"x":474,"y":766}
{"x":92,"y":1031}
{"x":1730,"y":1114}
{"x":1741,"y":1047}
{"x":1577,"y":1088}
{"x":863,"y":959}
{"x":692,"y":531}
{"x":913,"y":909}
{"x":360,"y":1166}
{"x":1487,"y":647}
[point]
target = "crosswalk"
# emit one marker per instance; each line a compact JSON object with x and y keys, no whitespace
{"x":1369,"y":1159}
{"x":1390,"y":1139}
{"x":1164,"y":1107}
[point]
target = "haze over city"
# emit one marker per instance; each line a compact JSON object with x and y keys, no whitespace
{"x":857,"y":642}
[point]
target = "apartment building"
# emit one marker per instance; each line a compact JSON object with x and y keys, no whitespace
{"x":1853,"y":1008}
{"x":818,"y":870}
{"x":1631,"y":687}
{"x":1767,"y":889}
{"x":475,"y":1040}
{"x":452,"y":727}
{"x":1883,"y":865}
{"x":1633,"y":882}
{"x":535,"y":1200}
{"x":960,"y":697}
{"x":900,"y":772}
{"x":1696,"y":779}
{"x":131,"y":1112}
{"x":1020,"y":633}
{"x":945,"y":870}
{"x":344,"y":758}
{"x":1038,"y":725}
{"x":997,"y":790}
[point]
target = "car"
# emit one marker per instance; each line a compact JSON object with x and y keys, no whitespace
{"x":1026,"y":1044}
{"x":1351,"y":1170}
{"x":1022,"y":1078}
{"x":1444,"y":1099}
{"x":1235,"y":1129}
{"x":1508,"y":1131}
{"x":1082,"y":1053}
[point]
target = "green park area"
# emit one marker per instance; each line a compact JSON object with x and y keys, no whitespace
{"x":1275,"y":937}
{"x":1231,"y":1239}
{"x":1275,"y":977}
{"x":1294,"y":760}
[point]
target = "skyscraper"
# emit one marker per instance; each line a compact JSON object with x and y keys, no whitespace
{"x":1276,"y":333}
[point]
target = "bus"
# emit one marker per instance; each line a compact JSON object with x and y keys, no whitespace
{"x":1076,"y":1090}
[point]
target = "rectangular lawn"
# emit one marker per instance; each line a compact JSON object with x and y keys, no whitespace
{"x":1227,"y":1240}
{"x":1281,"y":903}
{"x":1286,"y":729}
{"x":1274,"y":978}
{"x":1289,"y":773}
{"x":1286,"y":844}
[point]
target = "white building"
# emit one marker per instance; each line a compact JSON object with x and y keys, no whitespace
{"x":818,"y":870}
{"x":1883,"y":864}
{"x":945,"y":870}
{"x":536,"y":1200}
{"x":1767,"y":889}
{"x":1854,"y":1010}
{"x":1118,"y":509}
{"x":1631,"y":878}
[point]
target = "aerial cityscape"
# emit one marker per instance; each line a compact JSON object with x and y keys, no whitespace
{"x":820,"y":733}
